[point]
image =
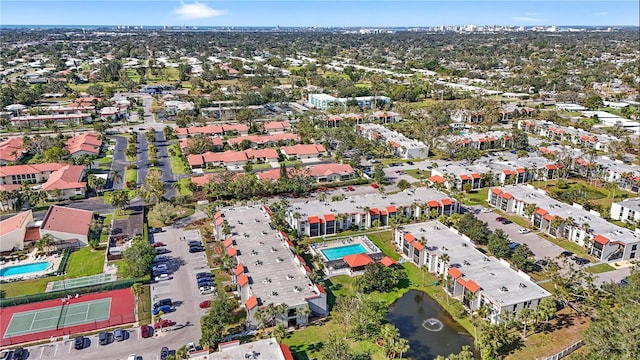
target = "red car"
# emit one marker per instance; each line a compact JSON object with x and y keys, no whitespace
{"x":205,"y":304}
{"x":500,"y":219}
{"x":157,"y":244}
{"x":163,"y":324}
{"x":350,"y":188}
{"x":374,"y":185}
{"x":146,"y":331}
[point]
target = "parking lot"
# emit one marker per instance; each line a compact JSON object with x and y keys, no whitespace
{"x":182,"y":289}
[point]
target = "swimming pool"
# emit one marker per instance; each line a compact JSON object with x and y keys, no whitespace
{"x":24,"y":269}
{"x":341,"y":251}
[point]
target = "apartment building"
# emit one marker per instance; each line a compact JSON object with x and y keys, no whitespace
{"x":317,"y":218}
{"x":401,"y":145}
{"x":604,"y":240}
{"x":470,"y":276}
{"x":267,"y":271}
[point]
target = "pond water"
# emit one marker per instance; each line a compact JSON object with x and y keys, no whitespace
{"x":431,"y":331}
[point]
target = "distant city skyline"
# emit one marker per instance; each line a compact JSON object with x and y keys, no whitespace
{"x":310,"y":13}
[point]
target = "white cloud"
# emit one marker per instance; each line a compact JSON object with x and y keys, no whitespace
{"x":196,"y":11}
{"x":602,"y":13}
{"x":527,"y":19}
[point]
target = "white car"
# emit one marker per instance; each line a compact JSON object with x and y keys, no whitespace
{"x":163,"y":277}
{"x":524,"y":231}
{"x":486,"y":210}
{"x":132,"y":357}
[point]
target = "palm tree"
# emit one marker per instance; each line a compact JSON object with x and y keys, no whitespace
{"x":303,"y":312}
{"x":445,"y":258}
{"x":282,"y":309}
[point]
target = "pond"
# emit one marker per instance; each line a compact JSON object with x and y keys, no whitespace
{"x":431,"y":331}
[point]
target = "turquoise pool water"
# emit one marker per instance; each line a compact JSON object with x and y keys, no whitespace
{"x":24,"y":269}
{"x":341,"y":251}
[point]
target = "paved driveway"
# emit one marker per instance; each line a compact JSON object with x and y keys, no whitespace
{"x":143,"y":157}
{"x":118,"y":162}
{"x":165,"y":165}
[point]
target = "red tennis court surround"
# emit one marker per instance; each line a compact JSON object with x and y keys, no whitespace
{"x":122,"y":312}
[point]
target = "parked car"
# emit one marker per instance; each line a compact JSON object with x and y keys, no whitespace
{"x":160,"y":258}
{"x":624,"y":282}
{"x":410,"y":163}
{"x":6,"y":354}
{"x":205,"y":304}
{"x":104,"y":338}
{"x":374,"y":185}
{"x":146,"y":331}
{"x":206,"y":283}
{"x":204,"y":290}
{"x":132,"y":357}
{"x":500,"y":219}
{"x":163,"y":277}
{"x":119,"y":335}
{"x":201,"y":275}
{"x":513,"y":246}
{"x":579,"y":260}
{"x":163,"y":324}
{"x":194,"y":242}
{"x":163,"y":302}
{"x":486,"y":210}
{"x":20,"y":354}
{"x":162,"y":250}
{"x":162,"y":309}
{"x":79,"y":342}
{"x":164,"y":352}
{"x":160,"y":268}
{"x":158,"y":244}
{"x":506,"y":221}
{"x":541,"y":262}
{"x":566,"y":254}
{"x":196,"y":249}
{"x":524,"y":231}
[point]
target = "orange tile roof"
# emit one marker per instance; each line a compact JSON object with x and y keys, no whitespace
{"x":409,"y":237}
{"x":286,"y":353}
{"x":541,"y":211}
{"x":303,"y":149}
{"x":496,"y":191}
{"x":433,"y":204}
{"x":321,"y":289}
{"x":219,"y":221}
{"x":313,"y":220}
{"x":15,"y":222}
{"x":329,"y":217}
{"x":507,"y":196}
{"x":32,"y":234}
{"x":252,"y":302}
{"x":454,"y":272}
{"x":475,"y":176}
{"x":472,"y":286}
{"x":243,"y":280}
{"x":387,"y":261}
{"x":357,"y":260}
{"x":238,"y":270}
{"x":231,"y":251}
{"x":417,"y":245}
{"x":68,"y":220}
{"x":29,"y":169}
{"x":601,"y":239}
{"x":548,"y":217}
{"x":276,"y":125}
{"x":67,"y":177}
{"x":446,"y":201}
{"x":195,"y":160}
{"x":228,"y":242}
{"x":437,"y":179}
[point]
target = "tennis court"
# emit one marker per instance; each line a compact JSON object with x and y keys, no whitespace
{"x":58,"y":317}
{"x":80,"y":282}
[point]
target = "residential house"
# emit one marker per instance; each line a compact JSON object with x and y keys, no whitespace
{"x":320,"y":173}
{"x":62,"y":180}
{"x":492,"y":140}
{"x":271,"y":140}
{"x":11,"y":150}
{"x":384,"y":117}
{"x":260,"y":349}
{"x":276,"y":127}
{"x":214,"y":130}
{"x":86,"y":143}
{"x":469,"y":275}
{"x":324,"y":101}
{"x":66,"y":182}
{"x":303,"y":151}
{"x":604,"y":240}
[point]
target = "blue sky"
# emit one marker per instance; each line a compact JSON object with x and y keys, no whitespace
{"x":319,"y":13}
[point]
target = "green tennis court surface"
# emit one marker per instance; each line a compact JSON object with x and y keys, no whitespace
{"x":58,"y":317}
{"x":79,"y":282}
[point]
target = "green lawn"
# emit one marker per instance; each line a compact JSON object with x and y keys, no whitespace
{"x":184,"y":187}
{"x":86,"y":262}
{"x":596,"y":195}
{"x":600,"y":268}
{"x":27,"y":287}
{"x":144,"y":305}
{"x":104,"y":235}
{"x":178,"y":165}
{"x":418,"y":174}
{"x":131,"y":175}
{"x":478,"y":197}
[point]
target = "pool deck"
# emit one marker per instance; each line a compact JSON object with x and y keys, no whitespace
{"x":347,"y":240}
{"x":31,"y":258}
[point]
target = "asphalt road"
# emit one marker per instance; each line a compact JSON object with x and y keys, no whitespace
{"x":118,"y":162}
{"x":165,"y":165}
{"x":143,"y":157}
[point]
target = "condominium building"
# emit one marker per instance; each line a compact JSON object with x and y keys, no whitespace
{"x":472,"y":277}
{"x":604,"y":240}
{"x":267,"y":271}
{"x":317,"y":218}
{"x":627,"y":210}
